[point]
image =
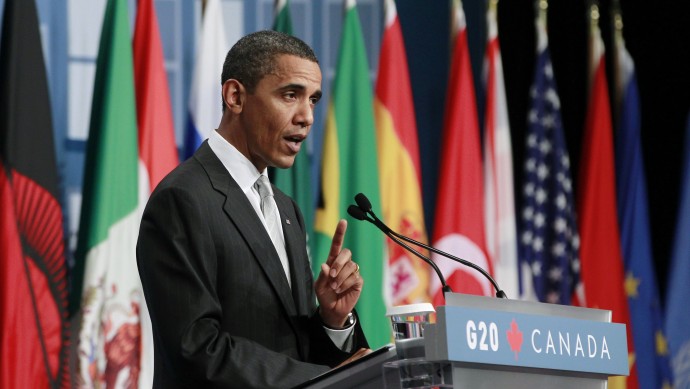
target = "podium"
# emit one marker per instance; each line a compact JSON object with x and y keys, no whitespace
{"x":518,"y":344}
{"x":482,"y":342}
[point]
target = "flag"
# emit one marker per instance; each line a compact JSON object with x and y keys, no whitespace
{"x":407,"y":277}
{"x":499,"y":203}
{"x":640,"y":277}
{"x":111,"y":333}
{"x":677,"y":312}
{"x":157,"y":149}
{"x":549,"y":240}
{"x":296,"y":181}
{"x":205,"y":97}
{"x":283,"y":21}
{"x":348,"y":168}
{"x":33,"y":286}
{"x":459,"y":226}
{"x":156,"y":138}
{"x":600,"y":249}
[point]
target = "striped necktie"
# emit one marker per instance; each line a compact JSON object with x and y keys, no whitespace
{"x":272,"y":218}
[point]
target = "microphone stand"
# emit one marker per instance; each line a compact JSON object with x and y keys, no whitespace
{"x":364,"y":206}
{"x":359,"y":214}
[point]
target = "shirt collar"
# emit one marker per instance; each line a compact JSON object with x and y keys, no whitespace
{"x":240,"y":167}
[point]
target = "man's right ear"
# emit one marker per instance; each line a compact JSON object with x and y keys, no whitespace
{"x":234,"y":95}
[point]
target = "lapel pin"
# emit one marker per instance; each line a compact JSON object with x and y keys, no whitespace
{"x":287,"y":221}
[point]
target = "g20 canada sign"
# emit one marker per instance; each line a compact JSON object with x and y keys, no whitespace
{"x":534,"y":341}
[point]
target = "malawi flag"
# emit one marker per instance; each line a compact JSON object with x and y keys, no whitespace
{"x":33,"y":287}
{"x":112,"y":300}
{"x":296,"y":181}
{"x":399,"y":167}
{"x":600,"y":250}
{"x":459,"y":227}
{"x":640,"y":277}
{"x":349,"y":158}
{"x":205,"y":96}
{"x":501,"y":235}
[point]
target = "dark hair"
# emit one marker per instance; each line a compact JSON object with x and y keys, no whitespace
{"x":254,"y":56}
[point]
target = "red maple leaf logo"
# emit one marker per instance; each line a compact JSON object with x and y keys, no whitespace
{"x":514,"y":338}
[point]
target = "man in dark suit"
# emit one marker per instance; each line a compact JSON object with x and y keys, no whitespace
{"x":222,"y":254}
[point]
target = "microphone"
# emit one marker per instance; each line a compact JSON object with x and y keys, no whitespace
{"x":359,"y":214}
{"x":364,"y":206}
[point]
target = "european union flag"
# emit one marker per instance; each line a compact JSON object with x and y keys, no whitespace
{"x":640,"y":279}
{"x":549,"y":239}
{"x":677,"y":311}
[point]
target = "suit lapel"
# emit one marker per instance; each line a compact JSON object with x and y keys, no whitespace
{"x":296,"y":251}
{"x":295,"y":247}
{"x":240,"y":211}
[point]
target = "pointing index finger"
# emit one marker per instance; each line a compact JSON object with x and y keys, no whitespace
{"x":337,"y":243}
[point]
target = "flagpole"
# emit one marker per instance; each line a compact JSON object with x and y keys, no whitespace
{"x":542,"y":7}
{"x":618,"y":76}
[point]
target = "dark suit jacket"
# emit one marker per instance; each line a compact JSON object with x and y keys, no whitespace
{"x":222,"y":311}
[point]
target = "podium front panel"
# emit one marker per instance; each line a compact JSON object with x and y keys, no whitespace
{"x":480,"y":379}
{"x":497,"y":338}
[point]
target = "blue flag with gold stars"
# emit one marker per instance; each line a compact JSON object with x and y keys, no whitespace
{"x":651,"y":349}
{"x":677,"y":310}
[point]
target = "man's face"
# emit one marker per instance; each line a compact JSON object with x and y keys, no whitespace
{"x":278,"y":116}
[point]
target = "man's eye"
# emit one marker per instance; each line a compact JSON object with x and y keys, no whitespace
{"x":314,"y":100}
{"x":290,"y":95}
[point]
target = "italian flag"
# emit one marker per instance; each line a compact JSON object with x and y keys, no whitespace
{"x":349,"y":167}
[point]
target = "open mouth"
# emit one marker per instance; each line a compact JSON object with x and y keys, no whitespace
{"x":295,"y":138}
{"x":294,"y":142}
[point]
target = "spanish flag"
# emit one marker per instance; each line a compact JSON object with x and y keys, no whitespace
{"x":407,"y":277}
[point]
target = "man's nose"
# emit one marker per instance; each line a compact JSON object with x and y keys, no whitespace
{"x":305,"y":114}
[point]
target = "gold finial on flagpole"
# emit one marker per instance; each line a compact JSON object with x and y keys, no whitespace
{"x":543,"y":5}
{"x":493,"y":5}
{"x":594,"y":12}
{"x":617,"y":16}
{"x":542,"y":10}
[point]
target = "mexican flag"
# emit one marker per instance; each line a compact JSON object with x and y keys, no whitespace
{"x":113,"y":339}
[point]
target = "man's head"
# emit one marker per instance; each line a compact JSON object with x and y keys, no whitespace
{"x":271,"y":83}
{"x":254,"y":56}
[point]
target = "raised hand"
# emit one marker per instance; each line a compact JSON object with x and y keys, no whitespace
{"x":339,"y":284}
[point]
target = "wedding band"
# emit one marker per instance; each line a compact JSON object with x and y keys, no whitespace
{"x":357,"y":269}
